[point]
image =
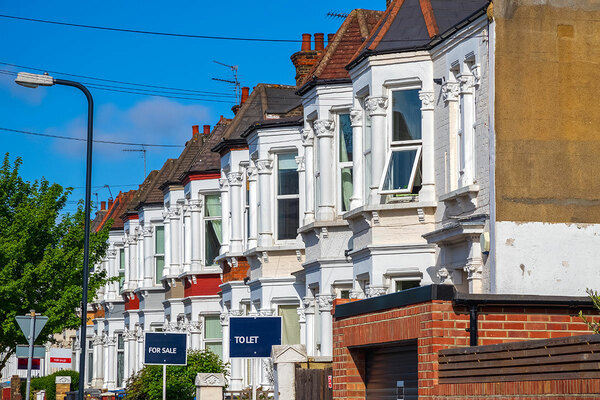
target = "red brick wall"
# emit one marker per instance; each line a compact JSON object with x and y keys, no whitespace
{"x":235,"y":273}
{"x":206,"y":285}
{"x":132,"y":304}
{"x":438,"y":325}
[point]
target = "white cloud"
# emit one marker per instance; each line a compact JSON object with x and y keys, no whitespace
{"x":30,"y":96}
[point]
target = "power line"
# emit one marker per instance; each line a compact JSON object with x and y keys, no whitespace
{"x":83,"y":140}
{"x":184,"y":35}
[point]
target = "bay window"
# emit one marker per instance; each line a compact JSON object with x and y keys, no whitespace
{"x":344,"y":161}
{"x":159,"y":253}
{"x":288,"y":198}
{"x":402,"y":173}
{"x":212,"y":227}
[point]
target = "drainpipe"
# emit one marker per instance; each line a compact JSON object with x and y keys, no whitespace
{"x":472,"y":329}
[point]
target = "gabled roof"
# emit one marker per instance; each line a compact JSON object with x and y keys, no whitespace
{"x":205,"y":160}
{"x":265,"y":102}
{"x":115,"y":210}
{"x":355,"y":29}
{"x":409,"y":25}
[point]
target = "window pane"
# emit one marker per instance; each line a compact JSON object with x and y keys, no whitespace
{"x":397,"y":176}
{"x":90,"y":371}
{"x":345,"y":138}
{"x":120,"y":342}
{"x":290,"y":324}
{"x":120,"y":368}
{"x":287,"y":218}
{"x":403,"y":285}
{"x":121,"y":280}
{"x":159,"y":240}
{"x":346,"y":187}
{"x":212,"y":205}
{"x":406,"y":108}
{"x":212,"y":241}
{"x":212,"y":327}
{"x":160,"y":266}
{"x":287,"y":174}
{"x":216,"y":348}
{"x":121,"y":258}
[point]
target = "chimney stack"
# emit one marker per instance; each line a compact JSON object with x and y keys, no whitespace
{"x":102,"y":206}
{"x":245,"y":94}
{"x":304,"y":59}
{"x":195,"y":130}
{"x":110,"y":202}
{"x":330,"y":37}
{"x":206,"y":129}
{"x":319,"y":41}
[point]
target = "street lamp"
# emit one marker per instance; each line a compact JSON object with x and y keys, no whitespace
{"x":32,"y":81}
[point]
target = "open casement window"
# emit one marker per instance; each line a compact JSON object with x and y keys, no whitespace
{"x":159,"y":253}
{"x":402,"y":173}
{"x":288,"y":198}
{"x":213,"y":335}
{"x":212,"y":228}
{"x":344,"y":138}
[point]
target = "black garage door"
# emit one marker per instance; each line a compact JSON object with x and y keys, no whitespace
{"x":391,"y":371}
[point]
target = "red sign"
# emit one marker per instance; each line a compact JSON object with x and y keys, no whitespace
{"x":330,"y":381}
{"x":60,"y":360}
{"x":22,"y":363}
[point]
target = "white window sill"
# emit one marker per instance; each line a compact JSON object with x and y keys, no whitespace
{"x":461,"y":200}
{"x":370,"y":208}
{"x":322,"y":224}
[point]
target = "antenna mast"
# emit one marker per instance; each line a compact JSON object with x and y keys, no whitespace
{"x":143,"y":151}
{"x":235,"y":82}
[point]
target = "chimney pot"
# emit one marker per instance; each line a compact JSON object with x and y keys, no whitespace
{"x":102,"y":206}
{"x":207,"y":129}
{"x":245,"y":94}
{"x":195,"y":130}
{"x":319,"y":41}
{"x":305,"y":42}
{"x":110,"y":202}
{"x":330,"y":37}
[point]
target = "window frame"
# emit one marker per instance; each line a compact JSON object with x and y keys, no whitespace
{"x":158,"y":255}
{"x":208,"y":341}
{"x":121,"y":271}
{"x":413,"y":172}
{"x":278,"y":197}
{"x":205,"y":220}
{"x":340,"y":165}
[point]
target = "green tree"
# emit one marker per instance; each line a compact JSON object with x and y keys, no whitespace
{"x":147,"y":383}
{"x":41,"y":257}
{"x":594,"y":326}
{"x":48,"y":383}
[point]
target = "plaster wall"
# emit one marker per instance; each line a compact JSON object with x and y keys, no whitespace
{"x":280,"y":264}
{"x":547,"y":258}
{"x":546,"y":115}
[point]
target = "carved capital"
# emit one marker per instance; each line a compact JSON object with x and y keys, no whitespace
{"x":251,"y":173}
{"x":264,"y":166}
{"x":112,"y":253}
{"x":466,"y":82}
{"x":450,"y":91}
{"x":307,"y":136}
{"x":442,"y":274}
{"x":300,"y":162}
{"x":195,"y":205}
{"x":223,"y":184}
{"x":224,"y":317}
{"x":266,"y":312}
{"x":356,"y":117}
{"x":324,"y":127}
{"x":376,"y":105}
{"x":325,"y":302}
{"x":356,"y":294}
{"x":427,"y":100}
{"x":476,"y":71}
{"x":147,"y":230}
{"x":235,"y":178}
{"x":110,"y":341}
{"x":301,"y":314}
{"x":374,"y":291}
{"x":174,"y":212}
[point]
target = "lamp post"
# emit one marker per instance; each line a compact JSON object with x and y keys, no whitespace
{"x":33,"y":81}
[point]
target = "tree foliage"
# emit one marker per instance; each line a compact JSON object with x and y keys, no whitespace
{"x":594,"y":326}
{"x":147,"y":383}
{"x":41,"y":257}
{"x":48,"y":383}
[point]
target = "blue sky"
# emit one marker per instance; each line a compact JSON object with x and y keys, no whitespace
{"x":152,"y":60}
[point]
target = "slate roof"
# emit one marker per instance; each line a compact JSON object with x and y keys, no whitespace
{"x":149,"y":191}
{"x":266,"y":101}
{"x":355,"y":29}
{"x":409,"y":25}
{"x":115,"y":210}
{"x":205,"y":159}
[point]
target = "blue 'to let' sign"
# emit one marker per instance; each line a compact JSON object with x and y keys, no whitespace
{"x":165,"y":348}
{"x":253,"y":336}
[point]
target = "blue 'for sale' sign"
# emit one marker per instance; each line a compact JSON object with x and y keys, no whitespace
{"x":166,"y":348}
{"x":253,"y":336}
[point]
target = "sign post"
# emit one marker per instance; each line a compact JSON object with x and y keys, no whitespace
{"x":165,"y":349}
{"x":253,"y":337}
{"x":31,"y":330}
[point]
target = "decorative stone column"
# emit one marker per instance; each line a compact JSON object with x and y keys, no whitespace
{"x":141,"y":255}
{"x":302,"y":320}
{"x":148,"y":257}
{"x":427,"y":192}
{"x":474,"y":265}
{"x":133,"y":271}
{"x":167,"y":225}
{"x":356,"y":118}
{"x":325,"y":307}
{"x":113,"y":271}
{"x":209,"y":386}
{"x":127,"y":284}
{"x":309,"y":313}
{"x":265,"y":229}
{"x":450,"y":97}
{"x":467,"y":142}
{"x":197,"y":238}
{"x":130,"y":350}
{"x":324,"y":129}
{"x":225,"y":215}
{"x":195,"y":330}
{"x":111,"y":377}
{"x":377,"y":108}
{"x":97,"y":377}
{"x":106,"y":365}
{"x":309,"y":175}
{"x":285,"y":358}
{"x":235,"y":184}
{"x":175,"y":231}
{"x":139,"y":338}
{"x":63,"y":385}
{"x":187,"y":238}
{"x":251,"y":175}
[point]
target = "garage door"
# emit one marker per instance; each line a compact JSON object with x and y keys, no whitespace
{"x":392,"y":372}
